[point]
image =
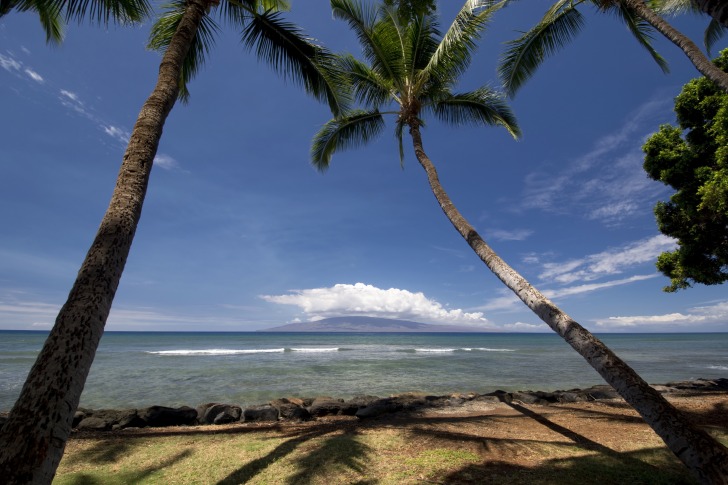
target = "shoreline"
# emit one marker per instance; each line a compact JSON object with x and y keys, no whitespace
{"x":358,"y":408}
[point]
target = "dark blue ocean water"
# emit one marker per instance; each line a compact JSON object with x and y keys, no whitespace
{"x":137,"y":369}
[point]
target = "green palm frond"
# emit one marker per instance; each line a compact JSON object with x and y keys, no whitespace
{"x":49,"y":14}
{"x":354,"y":129}
{"x":524,"y":55}
{"x":641,"y":30}
{"x":484,"y":107}
{"x":454,"y":52}
{"x":376,"y":38}
{"x":297,"y":57}
{"x":398,"y":133}
{"x":713,"y":34}
{"x":105,"y":11}
{"x":161,"y":36}
{"x":674,"y":7}
{"x":238,"y":12}
{"x":367,"y":86}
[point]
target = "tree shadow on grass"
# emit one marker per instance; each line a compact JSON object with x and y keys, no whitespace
{"x":253,"y":468}
{"x":336,"y":454}
{"x":135,"y":476}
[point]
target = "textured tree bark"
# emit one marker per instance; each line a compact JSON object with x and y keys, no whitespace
{"x":701,"y":63}
{"x":34,"y":436}
{"x":703,"y":455}
{"x":718,"y":9}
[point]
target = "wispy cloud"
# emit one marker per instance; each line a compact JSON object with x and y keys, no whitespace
{"x":587,"y":288}
{"x":610,"y":262}
{"x":73,"y":101}
{"x":34,"y":76}
{"x":559,"y":277}
{"x":9,"y":64}
{"x":716,"y":314}
{"x":608,"y":182}
{"x":367,"y":300}
{"x":165,"y":161}
{"x":506,"y":235}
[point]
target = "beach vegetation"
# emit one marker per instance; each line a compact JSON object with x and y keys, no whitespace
{"x":33,"y":438}
{"x":409,"y":71}
{"x":692,"y":159}
{"x":562,"y":22}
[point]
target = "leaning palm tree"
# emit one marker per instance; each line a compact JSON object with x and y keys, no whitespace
{"x":563,"y":21}
{"x":54,"y":13}
{"x":33,"y":438}
{"x":412,"y":69}
{"x":715,"y":29}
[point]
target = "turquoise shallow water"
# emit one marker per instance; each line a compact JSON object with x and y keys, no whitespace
{"x":136,"y":369}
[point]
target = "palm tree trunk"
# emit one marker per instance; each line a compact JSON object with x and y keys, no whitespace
{"x":34,"y":436}
{"x":701,"y":63}
{"x":718,"y":9}
{"x":703,"y":455}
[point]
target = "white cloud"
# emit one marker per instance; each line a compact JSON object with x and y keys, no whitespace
{"x":70,"y":95}
{"x":575,"y":290}
{"x":525,"y":327}
{"x":34,"y":76}
{"x":116,"y":132}
{"x":610,"y":262}
{"x":9,"y":64}
{"x":711,"y":314}
{"x":368,"y":300}
{"x":608,"y":182}
{"x":514,"y":235}
{"x":165,"y":161}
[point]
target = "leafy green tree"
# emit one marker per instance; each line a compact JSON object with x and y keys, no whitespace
{"x":53,"y":13}
{"x":33,"y":438}
{"x":696,"y":166}
{"x":563,"y":21}
{"x":410,"y":71}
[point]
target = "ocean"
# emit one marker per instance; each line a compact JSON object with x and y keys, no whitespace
{"x":139,"y":369}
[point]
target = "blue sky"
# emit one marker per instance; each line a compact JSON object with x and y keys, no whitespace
{"x":240,"y":233}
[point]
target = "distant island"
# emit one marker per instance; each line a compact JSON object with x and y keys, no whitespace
{"x":369,"y":324}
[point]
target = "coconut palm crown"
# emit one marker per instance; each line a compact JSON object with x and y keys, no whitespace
{"x":412,"y":67}
{"x":281,"y":44}
{"x":33,"y":437}
{"x":563,"y":21}
{"x":53,"y":14}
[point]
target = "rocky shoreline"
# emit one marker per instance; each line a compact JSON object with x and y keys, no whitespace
{"x":361,"y":407}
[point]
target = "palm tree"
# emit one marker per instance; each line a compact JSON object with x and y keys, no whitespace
{"x":412,"y":68}
{"x":562,"y":21}
{"x":33,"y":438}
{"x":715,"y":30}
{"x":53,"y":13}
{"x":718,"y":9}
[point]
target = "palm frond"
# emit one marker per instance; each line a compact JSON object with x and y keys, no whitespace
{"x":713,"y":34}
{"x":163,"y":31}
{"x":105,"y":11}
{"x":48,"y":11}
{"x":398,"y":132}
{"x":454,"y":52}
{"x":377,"y":37}
{"x":354,"y":129}
{"x":524,"y":55}
{"x":367,"y":86}
{"x":673,"y":7}
{"x":238,"y":12}
{"x":641,"y":30}
{"x":484,"y":107}
{"x":297,"y":57}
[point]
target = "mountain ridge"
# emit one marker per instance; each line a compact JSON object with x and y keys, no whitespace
{"x":370,"y":324}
